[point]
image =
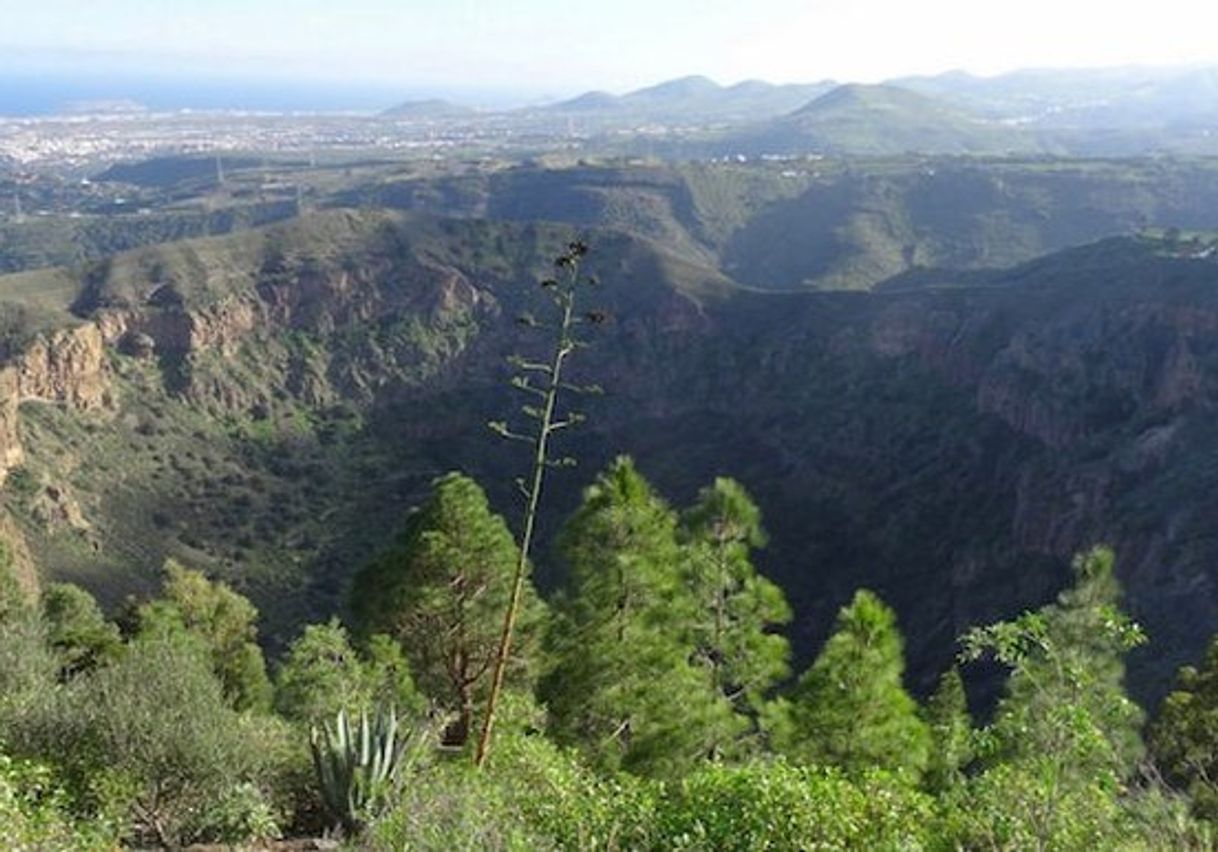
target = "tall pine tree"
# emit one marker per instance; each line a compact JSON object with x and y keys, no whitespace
{"x":737,"y":608}
{"x":441,"y":590}
{"x":850,"y":708}
{"x":624,"y":687}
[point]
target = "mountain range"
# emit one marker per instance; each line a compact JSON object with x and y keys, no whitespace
{"x":699,"y":98}
{"x":1105,"y":112}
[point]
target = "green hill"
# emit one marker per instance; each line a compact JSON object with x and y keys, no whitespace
{"x":837,"y":223}
{"x":871,"y":120}
{"x":429,"y":108}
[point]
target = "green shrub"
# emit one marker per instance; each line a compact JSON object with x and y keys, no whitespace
{"x":151,"y":736}
{"x":451,"y":807}
{"x":77,"y":630}
{"x":13,"y":599}
{"x":531,"y":795}
{"x":239,"y":815}
{"x":999,"y":810}
{"x":322,"y":673}
{"x":28,"y":676}
{"x":34,"y":813}
{"x":222,"y":622}
{"x":776,"y":806}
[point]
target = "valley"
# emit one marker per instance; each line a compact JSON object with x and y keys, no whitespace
{"x":940,"y":378}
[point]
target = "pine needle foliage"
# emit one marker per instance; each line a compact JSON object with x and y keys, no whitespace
{"x":850,"y":708}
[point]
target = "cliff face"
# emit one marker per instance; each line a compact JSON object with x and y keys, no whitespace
{"x":336,"y":307}
{"x":65,"y":367}
{"x":11,"y":453}
{"x":1114,"y":380}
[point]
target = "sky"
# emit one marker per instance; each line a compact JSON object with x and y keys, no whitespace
{"x":537,"y":48}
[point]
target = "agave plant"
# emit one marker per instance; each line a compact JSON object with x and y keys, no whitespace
{"x":358,"y":764}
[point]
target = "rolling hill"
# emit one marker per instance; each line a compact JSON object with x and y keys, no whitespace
{"x":872,"y":120}
{"x":431,"y":108}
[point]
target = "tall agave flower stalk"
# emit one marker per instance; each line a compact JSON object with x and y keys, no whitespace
{"x":544,"y":381}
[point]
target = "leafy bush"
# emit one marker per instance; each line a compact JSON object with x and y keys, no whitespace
{"x":13,"y":600}
{"x":151,"y":735}
{"x":530,"y":795}
{"x":222,"y":621}
{"x":34,"y":813}
{"x":777,"y":806}
{"x":1004,"y":808}
{"x":239,"y":815}
{"x":28,"y":670}
{"x":77,"y":630}
{"x":323,"y":674}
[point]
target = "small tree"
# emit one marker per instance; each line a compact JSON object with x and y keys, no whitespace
{"x":850,"y":708}
{"x":223,"y":621}
{"x":951,"y":733}
{"x":1065,"y":735}
{"x":1065,"y":697}
{"x":323,"y":674}
{"x":544,"y":412}
{"x":441,"y":590}
{"x":1184,"y":736}
{"x":77,"y":630}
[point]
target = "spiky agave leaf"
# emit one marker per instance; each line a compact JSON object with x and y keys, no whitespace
{"x":355,"y":764}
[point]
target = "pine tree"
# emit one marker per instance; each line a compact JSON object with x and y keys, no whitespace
{"x":951,"y":733}
{"x":441,"y":591}
{"x":623,"y":687}
{"x":850,"y":709}
{"x":737,"y":608}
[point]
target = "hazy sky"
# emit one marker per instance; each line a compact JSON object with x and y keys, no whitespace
{"x":547,"y":46}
